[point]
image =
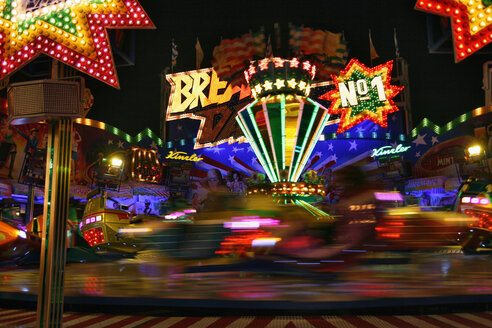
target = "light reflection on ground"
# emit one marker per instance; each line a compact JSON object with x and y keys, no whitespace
{"x":422,"y":274}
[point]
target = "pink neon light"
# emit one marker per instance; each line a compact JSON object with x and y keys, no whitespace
{"x":242,"y":225}
{"x":87,"y":221}
{"x":387,"y":196}
{"x":190,"y":211}
{"x":475,"y":200}
{"x":484,"y":201}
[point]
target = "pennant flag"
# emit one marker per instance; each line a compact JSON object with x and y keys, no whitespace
{"x":231,"y":56}
{"x":199,"y":54}
{"x":372,"y":50}
{"x":174,"y":54}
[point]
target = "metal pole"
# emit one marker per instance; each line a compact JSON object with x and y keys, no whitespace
{"x":30,"y":205}
{"x":53,"y":246}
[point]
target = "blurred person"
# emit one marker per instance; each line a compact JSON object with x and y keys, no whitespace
{"x":236,"y":183}
{"x":147,"y":210}
{"x":204,"y":197}
{"x":30,"y":148}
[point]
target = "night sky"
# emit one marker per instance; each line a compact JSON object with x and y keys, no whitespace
{"x":440,"y":89}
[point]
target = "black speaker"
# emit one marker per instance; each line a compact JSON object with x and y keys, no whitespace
{"x":34,"y":101}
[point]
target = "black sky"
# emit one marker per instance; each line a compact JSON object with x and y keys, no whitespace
{"x":440,"y":89}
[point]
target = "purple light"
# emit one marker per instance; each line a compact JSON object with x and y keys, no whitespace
{"x":87,"y":221}
{"x":475,"y":200}
{"x":484,"y":201}
{"x":81,"y":224}
{"x":93,"y":219}
{"x":388,"y":196}
{"x":190,"y":211}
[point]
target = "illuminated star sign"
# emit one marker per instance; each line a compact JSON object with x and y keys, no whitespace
{"x":71,"y":31}
{"x":362,"y":93}
{"x":471,"y":22}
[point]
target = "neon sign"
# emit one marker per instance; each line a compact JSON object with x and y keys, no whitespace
{"x":388,"y":150}
{"x":201,"y":87}
{"x":182,"y":156}
{"x":73,"y":32}
{"x":362,"y":93}
{"x":471,"y":23}
{"x":201,"y":95}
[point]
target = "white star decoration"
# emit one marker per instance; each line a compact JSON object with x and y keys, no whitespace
{"x":110,"y":142}
{"x":235,"y":149}
{"x":231,"y":159}
{"x":320,"y":154}
{"x":153,"y":145}
{"x":120,"y":144}
{"x":330,"y":147}
{"x":250,"y":149}
{"x":394,"y":144}
{"x":434,"y":140}
{"x":417,"y":154}
{"x":334,"y":157}
{"x":360,"y":129}
{"x":420,"y":140}
{"x":353,"y":145}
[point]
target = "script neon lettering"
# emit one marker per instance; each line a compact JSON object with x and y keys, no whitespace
{"x":190,"y":90}
{"x":388,"y":150}
{"x":182,"y":156}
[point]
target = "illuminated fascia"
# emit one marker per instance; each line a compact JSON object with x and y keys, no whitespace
{"x":73,"y":32}
{"x":299,"y":116}
{"x":282,"y":126}
{"x":262,"y":144}
{"x":306,"y":137}
{"x":313,"y":143}
{"x":267,"y":119}
{"x":248,"y":135}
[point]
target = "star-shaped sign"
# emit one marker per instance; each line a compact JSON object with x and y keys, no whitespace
{"x":471,"y":22}
{"x":362,"y":93}
{"x":71,"y":31}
